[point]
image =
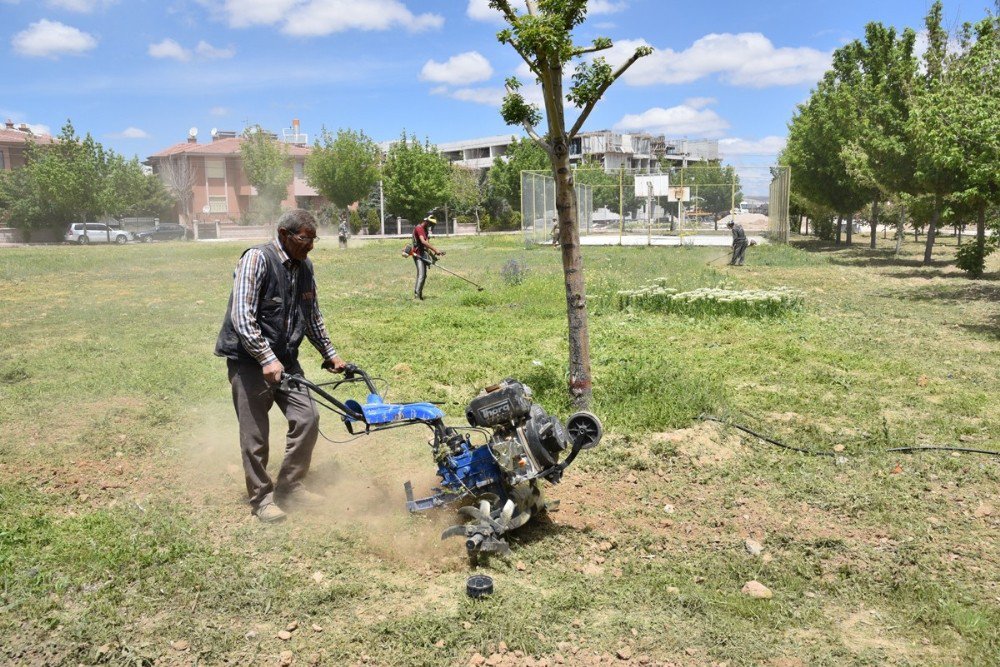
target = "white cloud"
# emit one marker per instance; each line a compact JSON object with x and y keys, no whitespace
{"x":745,"y":59}
{"x":130,"y":133}
{"x":465,"y":68}
{"x":700,"y":102}
{"x":37,"y":129}
{"x":768,"y":146}
{"x":81,"y":6}
{"x":206,"y":50}
{"x":485,"y":95}
{"x":52,"y":39}
{"x":168,"y":48}
{"x":219,"y":111}
{"x":683,"y":120}
{"x":605,"y":7}
{"x":311,"y":18}
{"x":243,"y":13}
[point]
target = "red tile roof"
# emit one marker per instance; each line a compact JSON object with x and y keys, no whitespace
{"x":228,"y":146}
{"x":8,"y":136}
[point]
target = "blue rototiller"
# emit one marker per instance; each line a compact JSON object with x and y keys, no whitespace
{"x":499,"y":483}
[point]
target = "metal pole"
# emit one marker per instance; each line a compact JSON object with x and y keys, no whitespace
{"x":621,"y":203}
{"x":649,"y":213}
{"x":545,"y":213}
{"x":381,"y":208}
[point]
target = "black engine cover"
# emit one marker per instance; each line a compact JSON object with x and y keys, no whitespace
{"x":504,"y":403}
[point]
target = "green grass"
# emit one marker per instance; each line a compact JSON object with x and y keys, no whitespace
{"x":123,"y":528}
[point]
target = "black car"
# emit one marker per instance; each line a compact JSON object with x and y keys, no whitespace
{"x":167,"y":231}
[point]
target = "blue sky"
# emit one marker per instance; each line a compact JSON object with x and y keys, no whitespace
{"x":137,"y":74}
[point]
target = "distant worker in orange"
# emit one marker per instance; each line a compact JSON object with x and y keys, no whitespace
{"x":423,"y":253}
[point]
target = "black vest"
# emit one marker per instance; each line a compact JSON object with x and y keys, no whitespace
{"x":278,"y":299}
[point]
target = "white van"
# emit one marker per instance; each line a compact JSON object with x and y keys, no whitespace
{"x":96,"y":232}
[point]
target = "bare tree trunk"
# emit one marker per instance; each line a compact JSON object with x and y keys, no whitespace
{"x":580,"y":388}
{"x":981,"y":227}
{"x":850,"y":230}
{"x":932,"y":231}
{"x":899,"y":229}
{"x":874,"y":222}
{"x":478,"y":229}
{"x":840,"y":227}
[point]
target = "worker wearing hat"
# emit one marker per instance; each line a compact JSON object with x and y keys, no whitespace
{"x":739,"y":240}
{"x":423,"y":253}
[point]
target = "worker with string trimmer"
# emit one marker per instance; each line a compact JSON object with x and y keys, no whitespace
{"x":423,"y":253}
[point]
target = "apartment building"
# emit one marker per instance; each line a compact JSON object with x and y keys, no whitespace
{"x":612,"y":149}
{"x":13,"y":142}
{"x":220,"y":191}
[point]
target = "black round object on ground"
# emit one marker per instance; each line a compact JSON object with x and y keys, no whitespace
{"x":479,"y":585}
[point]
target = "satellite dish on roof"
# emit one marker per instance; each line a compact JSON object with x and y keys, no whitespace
{"x":215,"y":132}
{"x":193,"y":132}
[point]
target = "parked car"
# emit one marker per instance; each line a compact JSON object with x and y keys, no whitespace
{"x":167,"y":231}
{"x":96,"y":232}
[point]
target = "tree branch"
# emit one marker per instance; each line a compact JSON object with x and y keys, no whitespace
{"x":537,"y":139}
{"x":600,"y":92}
{"x":505,"y":9}
{"x":590,"y":49}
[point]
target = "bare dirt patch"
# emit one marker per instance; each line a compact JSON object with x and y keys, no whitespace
{"x":705,"y":444}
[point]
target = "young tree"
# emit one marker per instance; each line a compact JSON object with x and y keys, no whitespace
{"x":468,"y":191}
{"x":817,"y":136}
{"x":936,"y":174}
{"x":882,"y":72}
{"x":416,"y":178}
{"x":505,"y":175}
{"x":542,"y":36}
{"x":265,"y":165}
{"x":345,"y":168}
{"x":60,"y":183}
{"x":178,"y":179}
{"x":967,"y":123}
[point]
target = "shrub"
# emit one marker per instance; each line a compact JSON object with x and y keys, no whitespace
{"x":513,"y":272}
{"x":710,"y":301}
{"x":971,"y":257}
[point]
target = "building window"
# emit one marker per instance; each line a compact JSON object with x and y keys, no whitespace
{"x":218,"y":204}
{"x":215,"y":168}
{"x":299,"y":170}
{"x":3,"y":164}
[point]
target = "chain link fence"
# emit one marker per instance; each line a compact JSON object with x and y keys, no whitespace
{"x":685,"y":200}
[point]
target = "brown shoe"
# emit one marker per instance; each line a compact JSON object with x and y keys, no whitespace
{"x":270,"y":513}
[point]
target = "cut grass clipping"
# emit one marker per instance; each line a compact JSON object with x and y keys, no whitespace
{"x":710,"y":301}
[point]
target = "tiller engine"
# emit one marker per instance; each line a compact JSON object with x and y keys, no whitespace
{"x":499,"y":482}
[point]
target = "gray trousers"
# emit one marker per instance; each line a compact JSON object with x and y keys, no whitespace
{"x":253,"y":398}
{"x":739,"y":253}
{"x":418,"y":287}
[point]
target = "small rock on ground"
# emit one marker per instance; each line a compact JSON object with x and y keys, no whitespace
{"x":755,"y":589}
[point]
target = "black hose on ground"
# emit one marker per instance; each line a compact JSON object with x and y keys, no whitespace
{"x":812,"y":452}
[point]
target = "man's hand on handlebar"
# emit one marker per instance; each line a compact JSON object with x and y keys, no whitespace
{"x":273,"y":372}
{"x":335,"y":364}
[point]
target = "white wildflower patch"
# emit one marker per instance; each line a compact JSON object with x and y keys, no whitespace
{"x":657,"y":297}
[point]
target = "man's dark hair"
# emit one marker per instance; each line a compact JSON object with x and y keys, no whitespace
{"x":296,"y":220}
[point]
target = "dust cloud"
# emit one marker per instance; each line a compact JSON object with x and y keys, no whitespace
{"x":360,"y":477}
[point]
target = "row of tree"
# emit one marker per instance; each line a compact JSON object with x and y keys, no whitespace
{"x":348,"y":166}
{"x":73,"y":180}
{"x":919,"y":136}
